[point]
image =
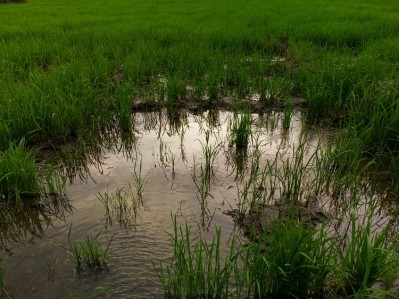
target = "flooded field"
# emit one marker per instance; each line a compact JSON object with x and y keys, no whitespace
{"x":128,"y":188}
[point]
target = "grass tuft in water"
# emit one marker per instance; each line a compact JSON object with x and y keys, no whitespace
{"x":18,"y":174}
{"x":366,"y":257}
{"x":88,"y":252}
{"x":292,"y":258}
{"x":288,"y":109}
{"x":210,"y":152}
{"x":197,"y":269}
{"x":292,"y":261}
{"x":241,"y":131}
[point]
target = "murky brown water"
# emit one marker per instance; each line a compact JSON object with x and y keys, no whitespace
{"x":171,"y":153}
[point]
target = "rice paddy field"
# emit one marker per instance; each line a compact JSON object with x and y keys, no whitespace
{"x":199,"y":149}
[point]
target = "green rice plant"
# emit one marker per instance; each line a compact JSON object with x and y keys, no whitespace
{"x":88,"y":252}
{"x":287,"y":115}
{"x":273,"y":89}
{"x":176,"y":90}
{"x":210,"y":153}
{"x":18,"y":172}
{"x":264,"y":92}
{"x":123,"y":205}
{"x":236,"y":76}
{"x":292,"y":177}
{"x":241,"y":131}
{"x":366,"y":257}
{"x":123,"y":107}
{"x":51,"y":180}
{"x":120,"y":204}
{"x":197,"y":268}
{"x":202,"y":185}
{"x":214,"y":85}
{"x":139,"y":183}
{"x":293,"y":260}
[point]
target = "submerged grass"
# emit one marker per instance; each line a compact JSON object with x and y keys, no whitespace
{"x":197,"y":268}
{"x":88,"y":252}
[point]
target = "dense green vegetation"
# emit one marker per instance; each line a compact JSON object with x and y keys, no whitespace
{"x":295,"y":260}
{"x":68,"y":67}
{"x":71,"y":69}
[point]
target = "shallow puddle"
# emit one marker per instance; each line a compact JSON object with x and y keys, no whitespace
{"x":168,"y":155}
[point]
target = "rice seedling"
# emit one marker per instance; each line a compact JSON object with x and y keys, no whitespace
{"x":88,"y":252}
{"x":18,"y":172}
{"x":241,"y":131}
{"x":123,"y":108}
{"x":139,"y":183}
{"x":213,"y":84}
{"x":197,"y":268}
{"x":366,"y":257}
{"x":202,"y":185}
{"x":176,"y":90}
{"x":52,"y":181}
{"x":122,"y":205}
{"x":62,"y":78}
{"x":209,"y":154}
{"x":291,"y":261}
{"x":287,"y":115}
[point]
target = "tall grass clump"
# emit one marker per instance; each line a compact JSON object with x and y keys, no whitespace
{"x":123,"y":108}
{"x":139,"y":182}
{"x":292,"y":258}
{"x":175,"y":91}
{"x":18,"y":173}
{"x":88,"y":252}
{"x":287,"y":116}
{"x":197,"y":268}
{"x":366,"y":258}
{"x":292,"y":261}
{"x":241,"y":131}
{"x":210,"y":152}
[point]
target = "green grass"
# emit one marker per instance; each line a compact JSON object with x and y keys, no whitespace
{"x":295,"y":264}
{"x":241,"y":131}
{"x":366,"y":257}
{"x":82,"y":66}
{"x":18,"y":175}
{"x":89,"y":252}
{"x":197,"y":268}
{"x":293,"y":260}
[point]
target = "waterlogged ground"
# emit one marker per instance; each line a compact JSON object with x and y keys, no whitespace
{"x":167,"y":153}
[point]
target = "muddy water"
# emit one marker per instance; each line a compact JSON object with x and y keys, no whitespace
{"x":171,"y":153}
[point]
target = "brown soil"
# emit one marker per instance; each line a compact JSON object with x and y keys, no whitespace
{"x":262,"y":218}
{"x":195,"y":105}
